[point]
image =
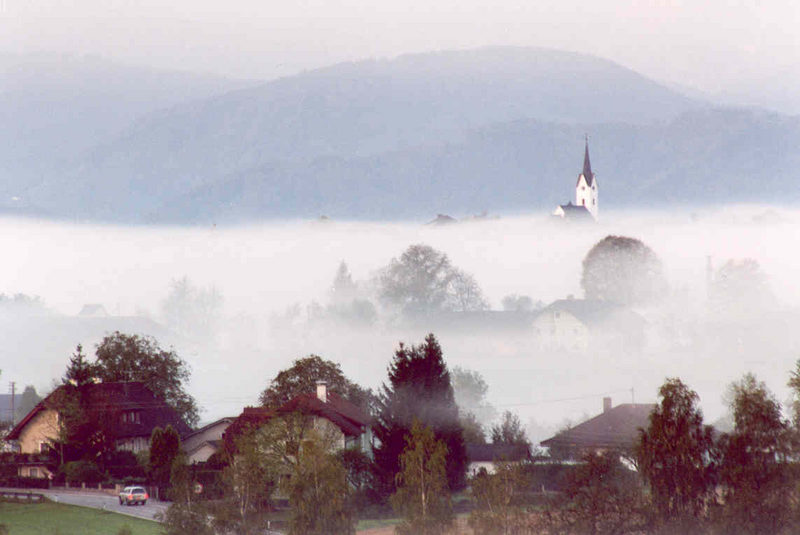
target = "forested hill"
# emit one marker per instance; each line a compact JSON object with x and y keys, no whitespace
{"x":495,"y":129}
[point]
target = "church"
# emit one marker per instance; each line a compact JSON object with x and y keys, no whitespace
{"x":585,"y":206}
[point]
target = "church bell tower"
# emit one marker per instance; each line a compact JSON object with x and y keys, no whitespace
{"x":586,"y":188}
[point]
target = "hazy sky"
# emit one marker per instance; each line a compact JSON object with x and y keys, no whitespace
{"x":714,"y":45}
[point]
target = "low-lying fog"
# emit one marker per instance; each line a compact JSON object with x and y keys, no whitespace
{"x":262,"y":272}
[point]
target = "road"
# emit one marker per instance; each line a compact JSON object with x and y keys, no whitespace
{"x":105,"y":502}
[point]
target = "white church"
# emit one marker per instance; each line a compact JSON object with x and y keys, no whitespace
{"x":585,"y":206}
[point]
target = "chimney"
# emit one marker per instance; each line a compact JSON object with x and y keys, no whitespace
{"x":606,"y":404}
{"x":322,"y":391}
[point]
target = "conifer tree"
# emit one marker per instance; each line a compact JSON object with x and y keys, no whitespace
{"x":419,"y":388}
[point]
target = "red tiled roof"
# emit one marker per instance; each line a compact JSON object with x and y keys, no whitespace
{"x":616,"y":428}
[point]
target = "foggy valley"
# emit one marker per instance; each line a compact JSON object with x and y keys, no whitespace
{"x":269,"y":276}
{"x":400,"y":267}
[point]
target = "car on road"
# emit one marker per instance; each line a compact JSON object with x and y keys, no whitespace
{"x":133,"y":495}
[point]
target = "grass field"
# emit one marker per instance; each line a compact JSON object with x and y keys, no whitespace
{"x":50,"y":518}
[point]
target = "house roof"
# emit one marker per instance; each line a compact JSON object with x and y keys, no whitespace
{"x":93,"y":309}
{"x":442,"y":219}
{"x":477,"y":453}
{"x":347,"y":416}
{"x":618,"y":428}
{"x":344,"y":414}
{"x":226,"y":420}
{"x":594,"y":312}
{"x":111,"y":399}
{"x":576,"y":212}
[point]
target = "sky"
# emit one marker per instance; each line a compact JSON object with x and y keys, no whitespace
{"x":716,"y":46}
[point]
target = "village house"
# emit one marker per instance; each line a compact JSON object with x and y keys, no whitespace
{"x":615,"y":429}
{"x":579,"y":325}
{"x":127,"y":411}
{"x":202,"y":443}
{"x":487,"y":456}
{"x":331,"y":413}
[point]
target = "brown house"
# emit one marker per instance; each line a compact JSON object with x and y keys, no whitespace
{"x":616,"y":428}
{"x":128,"y":411}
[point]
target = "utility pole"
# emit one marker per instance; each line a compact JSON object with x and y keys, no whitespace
{"x":13,"y":395}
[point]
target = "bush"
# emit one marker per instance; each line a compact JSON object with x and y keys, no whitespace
{"x":19,"y":482}
{"x":81,"y":472}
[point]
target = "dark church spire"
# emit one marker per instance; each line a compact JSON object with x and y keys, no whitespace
{"x":587,"y":165}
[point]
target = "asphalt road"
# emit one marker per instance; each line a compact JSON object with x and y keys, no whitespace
{"x":102,"y":501}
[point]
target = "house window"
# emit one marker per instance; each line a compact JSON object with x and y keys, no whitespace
{"x":131,"y":417}
{"x":43,"y":447}
{"x":33,"y":472}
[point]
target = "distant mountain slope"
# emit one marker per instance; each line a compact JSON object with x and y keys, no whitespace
{"x":702,"y":157}
{"x":353,"y":110}
{"x":53,"y":108}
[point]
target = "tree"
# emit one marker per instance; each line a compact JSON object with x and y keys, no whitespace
{"x":343,"y":289}
{"x":758,"y":482}
{"x":185,"y":515}
{"x":192,"y":310}
{"x":165,"y":447}
{"x":510,"y":431}
{"x":518,"y":303}
{"x":499,"y":507}
{"x":674,"y":455}
{"x":126,"y":357}
{"x":466,"y":294}
{"x":794,"y":384}
{"x":28,"y":401}
{"x":250,"y":477}
{"x":623,"y":270}
{"x":302,"y":378}
{"x":740,"y":288}
{"x":318,"y":490}
{"x":422,"y":496}
{"x":419,"y":389}
{"x":469,"y":391}
{"x":601,"y":497}
{"x":422,"y":281}
{"x":471,"y":429}
{"x":79,"y":371}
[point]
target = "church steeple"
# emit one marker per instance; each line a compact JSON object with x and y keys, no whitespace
{"x":586,"y":188}
{"x":587,"y":165}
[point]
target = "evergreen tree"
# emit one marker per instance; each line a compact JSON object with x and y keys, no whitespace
{"x":164,"y":449}
{"x":79,"y":371}
{"x":419,"y":389}
{"x":510,"y":431}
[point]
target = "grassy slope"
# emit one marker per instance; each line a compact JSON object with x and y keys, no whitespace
{"x":52,"y":518}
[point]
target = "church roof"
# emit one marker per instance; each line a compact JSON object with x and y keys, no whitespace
{"x":587,"y":167}
{"x":576,"y":212}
